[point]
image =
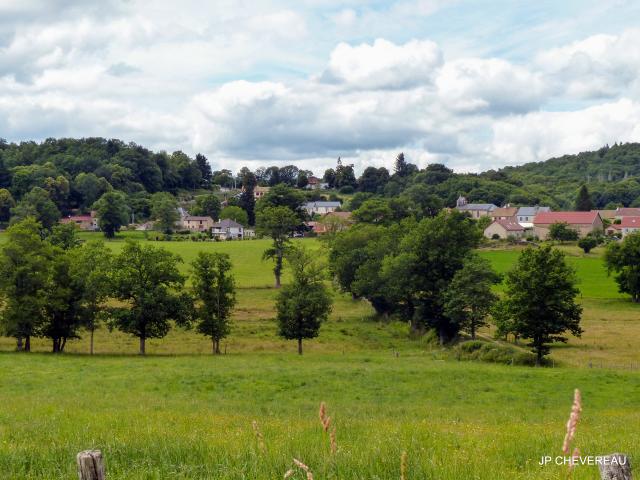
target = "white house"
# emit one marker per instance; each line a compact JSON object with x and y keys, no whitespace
{"x":525,"y":215}
{"x":321,"y":207}
{"x":227,"y":229}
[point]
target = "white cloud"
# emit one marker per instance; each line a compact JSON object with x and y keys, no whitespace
{"x":542,"y":135}
{"x":384,"y":64}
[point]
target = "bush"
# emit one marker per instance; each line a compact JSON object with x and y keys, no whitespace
{"x":489,"y":352}
{"x":347,"y":190}
{"x":495,"y":236}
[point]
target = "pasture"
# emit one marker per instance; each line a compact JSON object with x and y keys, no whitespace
{"x":181,"y":413}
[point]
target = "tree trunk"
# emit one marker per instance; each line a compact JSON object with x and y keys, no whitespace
{"x":538,"y":357}
{"x":299,"y":346}
{"x":277,"y":280}
{"x":473,"y":331}
{"x":442,"y":336}
{"x":27,"y":343}
{"x":55,"y":348}
{"x":91,"y":341}
{"x":63,"y":344}
{"x":19,"y":346}
{"x":142,"y":345}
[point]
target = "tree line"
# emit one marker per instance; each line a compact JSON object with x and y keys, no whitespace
{"x":53,"y":286}
{"x":426,"y":272}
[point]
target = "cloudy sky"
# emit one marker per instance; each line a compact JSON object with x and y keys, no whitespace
{"x":472,"y":84}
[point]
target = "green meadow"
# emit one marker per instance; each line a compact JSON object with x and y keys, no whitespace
{"x":181,"y":413}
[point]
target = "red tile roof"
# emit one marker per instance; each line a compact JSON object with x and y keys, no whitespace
{"x":630,"y":222}
{"x":510,"y":226}
{"x":627,"y":212}
{"x":572,"y":218}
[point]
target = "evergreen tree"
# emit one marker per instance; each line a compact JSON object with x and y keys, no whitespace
{"x":247,"y":198}
{"x":583,"y":200}
{"x":205,"y":170}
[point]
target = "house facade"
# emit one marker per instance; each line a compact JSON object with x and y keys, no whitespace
{"x":504,"y":229}
{"x":525,"y":215}
{"x":228,"y":230}
{"x":477,"y":210}
{"x":84,"y":222}
{"x":259,"y":192}
{"x":629,"y":225}
{"x":583,"y":222}
{"x":504,"y":213}
{"x":196,"y":224}
{"x":321,"y":207}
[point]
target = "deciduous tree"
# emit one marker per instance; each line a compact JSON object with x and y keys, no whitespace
{"x":214,"y":291}
{"x":277,"y":223}
{"x":112,"y":212}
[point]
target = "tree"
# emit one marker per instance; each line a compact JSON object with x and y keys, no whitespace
{"x":112,"y":212}
{"x":277,"y":223}
{"x":587,"y":243}
{"x":423,"y":202}
{"x":38,"y":205}
{"x":583,"y":200}
{"x":63,"y":302}
{"x":164,"y":211}
{"x":439,"y":247}
{"x":623,"y":258}
{"x":64,"y":236}
{"x":25,"y":266}
{"x":247,"y":197}
{"x":214,"y":290}
{"x":6,"y":204}
{"x":91,"y":265}
{"x":305,"y":303}
{"x":329,"y":177}
{"x":375,"y":211}
{"x":90,"y":188}
{"x":282,"y":195}
{"x":345,"y":176}
{"x":403,"y":168}
{"x":207,"y":205}
{"x":205,"y":170}
{"x":539,"y":302}
{"x":373,"y":180}
{"x":469,"y":298}
{"x":146,"y":279}
{"x":561,"y":231}
{"x":236,"y":214}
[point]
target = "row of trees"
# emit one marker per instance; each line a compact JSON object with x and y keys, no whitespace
{"x":55,"y":287}
{"x":427,"y":273}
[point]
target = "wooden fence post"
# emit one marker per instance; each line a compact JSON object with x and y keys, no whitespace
{"x":617,"y":467}
{"x":90,"y":465}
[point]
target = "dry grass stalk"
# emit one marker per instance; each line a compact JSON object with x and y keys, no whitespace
{"x":572,"y":423}
{"x":403,"y":466}
{"x":304,"y":468}
{"x":324,"y":419}
{"x":258,"y":434}
{"x":289,"y":473}
{"x":334,"y":444}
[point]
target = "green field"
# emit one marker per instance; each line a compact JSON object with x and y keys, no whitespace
{"x":176,"y":415}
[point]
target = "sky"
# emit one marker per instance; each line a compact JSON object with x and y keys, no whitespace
{"x":471,"y":84}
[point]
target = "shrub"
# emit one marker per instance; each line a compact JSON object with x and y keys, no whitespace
{"x":495,"y":236}
{"x":347,"y":190}
{"x":490,"y":352}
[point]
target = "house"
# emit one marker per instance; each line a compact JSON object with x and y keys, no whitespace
{"x":196,"y":224}
{"x":607,"y":214}
{"x":504,"y":228}
{"x":332,"y":222}
{"x":259,"y":192}
{"x":321,"y":207}
{"x":227,"y":230}
{"x":613,"y":229}
{"x":622,"y":212}
{"x":628,"y":225}
{"x":525,"y":215}
{"x":316,"y":184}
{"x":583,"y":222}
{"x":84,"y":222}
{"x":477,"y":210}
{"x":504,"y":213}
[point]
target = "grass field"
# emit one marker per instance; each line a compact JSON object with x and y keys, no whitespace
{"x":176,"y":415}
{"x":190,"y":417}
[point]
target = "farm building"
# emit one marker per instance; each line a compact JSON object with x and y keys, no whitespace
{"x":525,"y":215}
{"x":583,"y":222}
{"x":84,"y":222}
{"x":504,"y":229}
{"x":320,"y":207}
{"x":196,"y":224}
{"x":504,"y":213}
{"x":228,"y":230}
{"x":628,"y":225}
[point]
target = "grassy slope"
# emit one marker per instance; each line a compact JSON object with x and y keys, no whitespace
{"x":190,"y":417}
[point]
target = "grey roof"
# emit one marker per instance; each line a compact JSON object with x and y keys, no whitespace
{"x":322,"y":204}
{"x":532,"y":211}
{"x":227,"y":223}
{"x":478,"y":206}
